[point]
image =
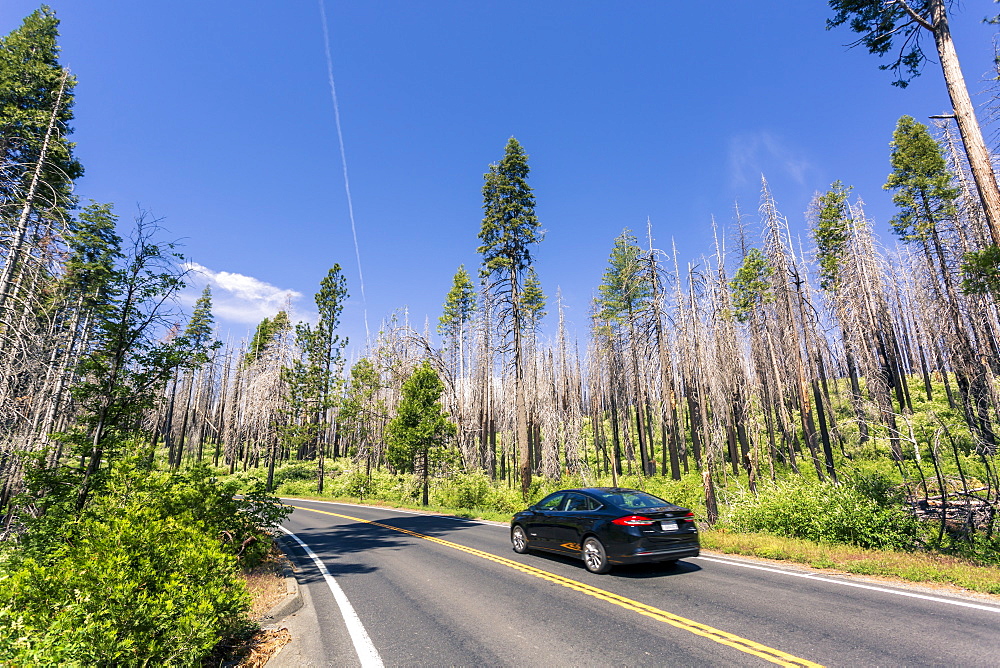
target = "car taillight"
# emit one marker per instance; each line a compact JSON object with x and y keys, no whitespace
{"x":689,"y":516}
{"x":633,"y":521}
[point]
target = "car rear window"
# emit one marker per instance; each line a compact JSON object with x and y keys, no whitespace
{"x":633,"y":499}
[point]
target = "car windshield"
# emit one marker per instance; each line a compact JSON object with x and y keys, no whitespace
{"x":632,"y":499}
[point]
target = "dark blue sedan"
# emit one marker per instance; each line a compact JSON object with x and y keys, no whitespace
{"x":606,"y":526}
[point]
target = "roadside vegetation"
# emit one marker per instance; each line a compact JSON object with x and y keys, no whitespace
{"x":831,"y":400}
{"x":147,"y":573}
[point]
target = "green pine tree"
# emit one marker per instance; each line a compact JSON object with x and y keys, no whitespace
{"x":31,"y":83}
{"x":459,"y":308}
{"x":509,"y":231}
{"x":532,"y":301}
{"x":924,"y":187}
{"x":37,"y":167}
{"x":420,"y":424}
{"x":510,"y":227}
{"x":624,"y":294}
{"x":981,"y":272}
{"x":269,"y":332}
{"x":626,"y":288}
{"x":459,"y":305}
{"x":198,"y":333}
{"x":894,"y":28}
{"x":832,"y":232}
{"x":311,"y":380}
{"x":93,"y":247}
{"x":751,"y":285}
{"x":361,"y":409}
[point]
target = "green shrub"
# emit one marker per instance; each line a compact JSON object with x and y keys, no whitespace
{"x":209,"y":504}
{"x":878,"y":484}
{"x":506,"y":500}
{"x":822,"y":512}
{"x":296,"y":488}
{"x":296,"y":472}
{"x":464,"y":490}
{"x":145,"y":573}
{"x":349,"y":483}
{"x":131,"y":588}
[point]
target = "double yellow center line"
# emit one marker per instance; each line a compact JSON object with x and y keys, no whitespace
{"x":722,"y":637}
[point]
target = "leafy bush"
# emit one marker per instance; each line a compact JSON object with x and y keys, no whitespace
{"x":211,"y":505}
{"x":476,"y":491}
{"x":145,"y":573}
{"x":296,"y":488}
{"x":131,"y":588}
{"x":823,"y":512}
{"x":880,"y":486}
{"x":464,"y":490}
{"x":506,"y":500}
{"x":296,"y":472}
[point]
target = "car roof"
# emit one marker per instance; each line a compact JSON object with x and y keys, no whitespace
{"x":613,"y":490}
{"x":599,"y":491}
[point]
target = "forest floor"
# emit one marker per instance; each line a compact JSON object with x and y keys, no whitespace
{"x":266,"y":582}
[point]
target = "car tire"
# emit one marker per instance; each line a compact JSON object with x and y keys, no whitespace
{"x":595,"y":558}
{"x":519,"y":540}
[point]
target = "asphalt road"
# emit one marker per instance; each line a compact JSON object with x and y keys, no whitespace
{"x":438,"y":591}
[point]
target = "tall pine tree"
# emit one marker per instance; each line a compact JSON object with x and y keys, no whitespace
{"x":37,"y":167}
{"x":509,"y":231}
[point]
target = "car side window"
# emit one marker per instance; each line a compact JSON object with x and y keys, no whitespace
{"x":591,"y":504}
{"x":551,"y":502}
{"x":575,"y":502}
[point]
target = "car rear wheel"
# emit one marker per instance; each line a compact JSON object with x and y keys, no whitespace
{"x":594,"y":556}
{"x":519,"y":540}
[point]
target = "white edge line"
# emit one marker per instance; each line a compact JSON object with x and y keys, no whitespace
{"x":809,"y":576}
{"x":367,"y":653}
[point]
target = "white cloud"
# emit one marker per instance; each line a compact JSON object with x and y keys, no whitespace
{"x":753,"y":154}
{"x":238,"y":298}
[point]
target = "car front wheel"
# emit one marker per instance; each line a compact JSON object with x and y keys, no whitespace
{"x":594,"y":556}
{"x":519,"y":540}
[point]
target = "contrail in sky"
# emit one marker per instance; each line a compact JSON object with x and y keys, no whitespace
{"x":343,"y":162}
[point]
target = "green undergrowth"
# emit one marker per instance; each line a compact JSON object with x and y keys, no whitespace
{"x":146,"y":573}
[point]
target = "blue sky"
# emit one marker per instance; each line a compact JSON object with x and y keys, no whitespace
{"x":217,"y":117}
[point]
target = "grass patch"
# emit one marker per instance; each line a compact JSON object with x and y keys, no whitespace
{"x":911,"y":567}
